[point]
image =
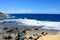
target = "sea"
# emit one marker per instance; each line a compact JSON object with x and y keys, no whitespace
{"x":48,"y":20}
{"x":42,"y":17}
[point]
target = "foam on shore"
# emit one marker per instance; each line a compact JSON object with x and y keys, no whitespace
{"x":33,"y":22}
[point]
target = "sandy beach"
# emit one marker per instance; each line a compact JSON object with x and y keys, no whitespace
{"x":29,"y":33}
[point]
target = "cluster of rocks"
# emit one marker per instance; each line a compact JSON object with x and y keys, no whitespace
{"x":11,"y":37}
{"x":28,"y":35}
{"x":43,"y":36}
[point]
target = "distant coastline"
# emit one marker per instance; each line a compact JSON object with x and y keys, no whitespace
{"x":2,"y":15}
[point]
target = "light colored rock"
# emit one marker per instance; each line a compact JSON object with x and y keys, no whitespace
{"x":27,"y":35}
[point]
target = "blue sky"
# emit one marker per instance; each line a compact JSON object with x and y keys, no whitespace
{"x":30,"y":6}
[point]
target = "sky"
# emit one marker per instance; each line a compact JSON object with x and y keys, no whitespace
{"x":30,"y":6}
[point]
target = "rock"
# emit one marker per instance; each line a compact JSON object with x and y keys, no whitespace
{"x":5,"y":28}
{"x":7,"y":37}
{"x":23,"y":31}
{"x":27,"y":35}
{"x":35,"y":36}
{"x":2,"y":15}
{"x":9,"y":30}
{"x":36,"y":29}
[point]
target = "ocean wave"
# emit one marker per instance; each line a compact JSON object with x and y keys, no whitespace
{"x":33,"y":22}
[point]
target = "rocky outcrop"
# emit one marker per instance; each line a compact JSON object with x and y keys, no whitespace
{"x":2,"y":15}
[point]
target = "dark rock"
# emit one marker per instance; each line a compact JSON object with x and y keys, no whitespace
{"x":9,"y":30}
{"x":16,"y":28}
{"x":36,"y":29}
{"x":7,"y":37}
{"x":5,"y":28}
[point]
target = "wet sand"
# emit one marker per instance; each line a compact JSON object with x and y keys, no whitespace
{"x":49,"y":31}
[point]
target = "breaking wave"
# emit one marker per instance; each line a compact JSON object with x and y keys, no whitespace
{"x":37,"y":23}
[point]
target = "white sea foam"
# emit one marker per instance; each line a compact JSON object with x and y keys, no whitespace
{"x":8,"y":16}
{"x":33,"y":22}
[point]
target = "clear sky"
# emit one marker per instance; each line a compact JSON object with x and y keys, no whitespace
{"x":30,"y":6}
